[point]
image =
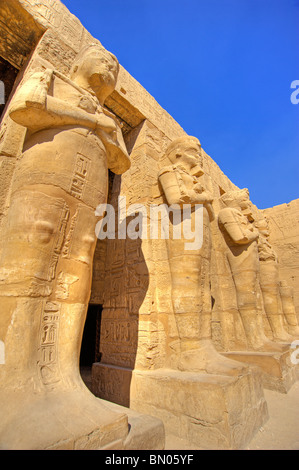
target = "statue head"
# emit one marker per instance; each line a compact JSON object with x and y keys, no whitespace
{"x":263,"y":226}
{"x":95,"y":69}
{"x":238,"y":199}
{"x":185,"y":150}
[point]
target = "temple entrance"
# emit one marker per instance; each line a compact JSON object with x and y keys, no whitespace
{"x":91,"y":336}
{"x":90,"y":342}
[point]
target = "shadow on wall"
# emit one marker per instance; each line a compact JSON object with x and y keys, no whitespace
{"x":115,"y":330}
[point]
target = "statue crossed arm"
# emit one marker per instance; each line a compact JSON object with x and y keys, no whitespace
{"x":181,"y":188}
{"x":35,"y":108}
{"x":239,"y":231}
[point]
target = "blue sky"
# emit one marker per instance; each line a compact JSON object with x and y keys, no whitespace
{"x":223,"y":70}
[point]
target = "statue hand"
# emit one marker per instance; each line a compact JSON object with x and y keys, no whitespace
{"x":198,"y":188}
{"x":252,"y":234}
{"x":106,"y":124}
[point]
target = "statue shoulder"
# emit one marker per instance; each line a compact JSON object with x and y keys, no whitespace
{"x":229,"y":215}
{"x":165,"y":170}
{"x":33,"y":91}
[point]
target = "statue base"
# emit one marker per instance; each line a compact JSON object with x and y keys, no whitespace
{"x":210,"y":411}
{"x":63,"y":421}
{"x":278,"y":373}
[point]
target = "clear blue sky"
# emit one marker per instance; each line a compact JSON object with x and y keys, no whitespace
{"x":223,"y":70}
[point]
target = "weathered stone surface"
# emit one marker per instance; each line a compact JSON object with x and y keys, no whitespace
{"x":284,"y":228}
{"x":19,"y":32}
{"x":277,"y":371}
{"x":180,"y":329}
{"x":50,"y":239}
{"x":208,"y":410}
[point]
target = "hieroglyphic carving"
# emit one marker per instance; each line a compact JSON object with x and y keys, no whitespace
{"x":59,"y":241}
{"x":50,"y":10}
{"x":120,"y":331}
{"x":80,"y":175}
{"x":48,"y":362}
{"x":116,"y":289}
{"x":116,"y":257}
{"x":136,"y":287}
{"x":69,"y":236}
{"x":113,"y":384}
{"x":118,"y":341}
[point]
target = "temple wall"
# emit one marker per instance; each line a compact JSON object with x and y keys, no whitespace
{"x":147,"y":129}
{"x":132,"y":279}
{"x":284,"y":236}
{"x":56,"y":38}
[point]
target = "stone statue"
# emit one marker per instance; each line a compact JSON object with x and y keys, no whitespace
{"x":241,"y":237}
{"x":288,"y":308}
{"x":184,"y":183}
{"x":46,"y":264}
{"x":271,"y":288}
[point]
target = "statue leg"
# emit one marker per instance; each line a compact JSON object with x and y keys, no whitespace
{"x":288,"y":307}
{"x":246,"y":290}
{"x":45,"y":286}
{"x":269,"y":282}
{"x":192,"y":309}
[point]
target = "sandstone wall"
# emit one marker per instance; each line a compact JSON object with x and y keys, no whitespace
{"x":131,"y":280}
{"x":56,"y":38}
{"x":284,"y":236}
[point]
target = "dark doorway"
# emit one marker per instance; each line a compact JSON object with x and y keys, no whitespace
{"x":8,"y":74}
{"x":91,"y":336}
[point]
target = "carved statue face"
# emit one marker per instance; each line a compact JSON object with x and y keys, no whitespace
{"x":96,"y":70}
{"x":101,"y":69}
{"x":186,"y":151}
{"x":243,"y":203}
{"x":263,"y":227}
{"x":189,"y":156}
{"x":239,"y":200}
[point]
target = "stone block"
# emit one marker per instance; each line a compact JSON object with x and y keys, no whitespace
{"x":213,"y":412}
{"x":277,"y":371}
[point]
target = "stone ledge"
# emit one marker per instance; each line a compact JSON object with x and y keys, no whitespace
{"x":210,"y":411}
{"x":278,"y":373}
{"x":146,"y":432}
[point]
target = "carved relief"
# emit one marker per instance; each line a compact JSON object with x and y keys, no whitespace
{"x":59,"y":241}
{"x":80,"y":175}
{"x":48,"y":362}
